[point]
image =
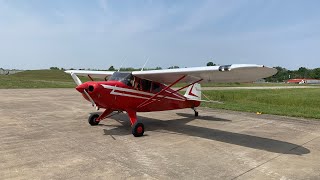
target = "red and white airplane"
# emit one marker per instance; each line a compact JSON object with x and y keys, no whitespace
{"x":145,"y":91}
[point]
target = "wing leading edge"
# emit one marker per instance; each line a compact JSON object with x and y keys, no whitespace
{"x":226,"y":73}
{"x":93,"y":74}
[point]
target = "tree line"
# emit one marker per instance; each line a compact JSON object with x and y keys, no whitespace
{"x":284,"y":74}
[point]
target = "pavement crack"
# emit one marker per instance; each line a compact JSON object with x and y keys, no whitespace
{"x":273,"y":158}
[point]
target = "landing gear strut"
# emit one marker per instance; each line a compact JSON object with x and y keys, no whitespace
{"x":95,"y":118}
{"x":196,"y":113}
{"x":137,"y":128}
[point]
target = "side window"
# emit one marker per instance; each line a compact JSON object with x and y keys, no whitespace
{"x":156,"y":87}
{"x":137,"y":83}
{"x":146,"y":85}
{"x":128,"y":80}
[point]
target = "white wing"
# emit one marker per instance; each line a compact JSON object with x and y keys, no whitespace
{"x":227,"y":73}
{"x":93,"y":74}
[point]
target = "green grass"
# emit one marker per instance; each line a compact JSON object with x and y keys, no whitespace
{"x":249,"y":84}
{"x":244,"y":84}
{"x":37,"y":79}
{"x":288,"y":102}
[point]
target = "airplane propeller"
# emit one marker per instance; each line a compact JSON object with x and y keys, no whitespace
{"x":91,"y":100}
{"x":76,"y":79}
{"x":83,"y":88}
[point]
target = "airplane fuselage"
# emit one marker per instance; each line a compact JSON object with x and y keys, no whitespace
{"x":125,"y":92}
{"x":119,"y":96}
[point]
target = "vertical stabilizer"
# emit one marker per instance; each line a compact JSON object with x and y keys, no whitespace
{"x":193,"y":92}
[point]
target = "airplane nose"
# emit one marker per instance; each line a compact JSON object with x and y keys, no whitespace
{"x":81,"y":87}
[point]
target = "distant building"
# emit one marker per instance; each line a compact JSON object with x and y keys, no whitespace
{"x":304,"y":81}
{"x":3,"y":72}
{"x":260,"y":81}
{"x":7,"y":72}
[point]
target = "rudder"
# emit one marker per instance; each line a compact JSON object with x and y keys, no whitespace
{"x":193,"y":92}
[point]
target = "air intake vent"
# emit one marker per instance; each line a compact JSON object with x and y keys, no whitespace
{"x":91,"y":88}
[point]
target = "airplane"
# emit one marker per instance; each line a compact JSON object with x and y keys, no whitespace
{"x":146,"y":91}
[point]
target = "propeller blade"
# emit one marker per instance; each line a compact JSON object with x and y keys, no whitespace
{"x":91,"y":100}
{"x":76,"y":79}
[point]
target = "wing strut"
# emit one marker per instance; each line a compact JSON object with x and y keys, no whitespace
{"x":148,"y":101}
{"x":90,"y":77}
{"x":186,"y":86}
{"x":176,"y":91}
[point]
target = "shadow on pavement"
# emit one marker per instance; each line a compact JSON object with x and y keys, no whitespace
{"x":179,"y":126}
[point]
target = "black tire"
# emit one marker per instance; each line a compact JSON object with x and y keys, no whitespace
{"x":196,"y":113}
{"x":138,"y":129}
{"x":92,"y":119}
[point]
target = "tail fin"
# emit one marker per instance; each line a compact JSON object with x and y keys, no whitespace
{"x":194,"y":92}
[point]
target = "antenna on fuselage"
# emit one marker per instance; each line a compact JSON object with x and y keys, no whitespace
{"x":124,"y":59}
{"x":145,"y":63}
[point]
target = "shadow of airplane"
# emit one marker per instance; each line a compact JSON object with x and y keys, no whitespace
{"x":207,"y":118}
{"x":179,"y":126}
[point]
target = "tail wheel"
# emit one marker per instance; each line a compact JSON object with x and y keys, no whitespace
{"x":138,"y":129}
{"x":93,"y":119}
{"x":196,"y":113}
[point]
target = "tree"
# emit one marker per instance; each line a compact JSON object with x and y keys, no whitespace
{"x":111,"y":68}
{"x":174,"y":67}
{"x":210,"y":64}
{"x":303,"y":72}
{"x":281,"y":75}
{"x":54,"y":68}
{"x":316,"y":73}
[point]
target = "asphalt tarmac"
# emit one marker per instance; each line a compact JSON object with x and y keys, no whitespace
{"x":44,"y":134}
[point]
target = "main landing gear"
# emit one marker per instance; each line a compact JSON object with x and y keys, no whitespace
{"x":137,"y":127}
{"x":94,"y":119}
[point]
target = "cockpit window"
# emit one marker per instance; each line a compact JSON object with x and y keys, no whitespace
{"x":146,"y":85}
{"x":125,"y":78}
{"x":155,"y":87}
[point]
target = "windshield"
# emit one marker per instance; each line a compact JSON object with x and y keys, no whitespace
{"x":125,"y":78}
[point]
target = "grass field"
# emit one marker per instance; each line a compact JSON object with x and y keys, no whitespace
{"x":37,"y":79}
{"x":246,"y":84}
{"x":288,"y":102}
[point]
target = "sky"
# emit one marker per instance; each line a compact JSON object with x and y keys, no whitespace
{"x":38,"y":34}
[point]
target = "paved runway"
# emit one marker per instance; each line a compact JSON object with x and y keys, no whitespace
{"x":44,"y":134}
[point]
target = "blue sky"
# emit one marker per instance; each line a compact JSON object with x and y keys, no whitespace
{"x":37,"y":34}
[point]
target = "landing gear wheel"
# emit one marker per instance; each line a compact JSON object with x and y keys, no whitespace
{"x":93,"y":119}
{"x":138,"y":129}
{"x":196,"y":113}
